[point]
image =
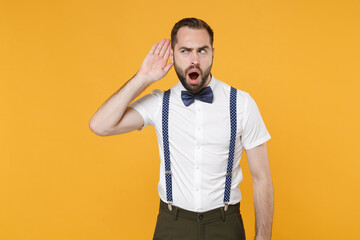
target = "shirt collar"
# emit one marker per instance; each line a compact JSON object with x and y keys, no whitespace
{"x":179,"y":87}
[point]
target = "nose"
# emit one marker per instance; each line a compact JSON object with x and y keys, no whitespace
{"x":195,"y":58}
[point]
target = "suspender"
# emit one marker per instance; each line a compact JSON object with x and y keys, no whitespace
{"x":165,"y":117}
{"x":231,"y":147}
{"x":168,"y":173}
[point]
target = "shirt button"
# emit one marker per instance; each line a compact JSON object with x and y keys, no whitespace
{"x":201,"y":217}
{"x":197,"y":147}
{"x":197,"y":167}
{"x":197,"y":189}
{"x":198,"y":110}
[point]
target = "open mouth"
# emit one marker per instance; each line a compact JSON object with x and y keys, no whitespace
{"x":193,"y":75}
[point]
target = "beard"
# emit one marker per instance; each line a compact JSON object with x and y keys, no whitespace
{"x":182,"y":77}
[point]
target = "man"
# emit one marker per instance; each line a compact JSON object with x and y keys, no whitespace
{"x":202,"y":125}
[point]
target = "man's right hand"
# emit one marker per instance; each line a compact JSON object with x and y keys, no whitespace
{"x":155,"y":66}
{"x":114,"y":116}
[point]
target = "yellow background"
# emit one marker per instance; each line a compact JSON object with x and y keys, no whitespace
{"x":60,"y":60}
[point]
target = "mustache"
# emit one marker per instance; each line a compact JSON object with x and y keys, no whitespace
{"x":191,"y":67}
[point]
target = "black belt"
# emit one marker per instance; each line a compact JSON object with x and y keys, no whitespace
{"x":217,"y":213}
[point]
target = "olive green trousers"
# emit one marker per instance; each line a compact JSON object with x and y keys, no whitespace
{"x":217,"y":224}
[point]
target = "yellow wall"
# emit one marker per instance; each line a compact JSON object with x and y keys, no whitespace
{"x":60,"y":60}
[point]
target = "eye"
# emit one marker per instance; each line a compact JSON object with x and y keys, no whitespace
{"x":184,"y":51}
{"x":202,"y":51}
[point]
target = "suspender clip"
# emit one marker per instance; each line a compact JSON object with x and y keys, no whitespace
{"x":226,"y":207}
{"x":170,"y":206}
{"x":228,"y":174}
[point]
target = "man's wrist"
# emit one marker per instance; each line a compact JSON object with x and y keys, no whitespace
{"x":142,"y":80}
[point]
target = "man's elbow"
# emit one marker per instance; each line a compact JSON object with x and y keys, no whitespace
{"x":96,"y":129}
{"x":262,"y":178}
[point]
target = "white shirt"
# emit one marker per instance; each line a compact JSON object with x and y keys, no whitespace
{"x":199,"y":138}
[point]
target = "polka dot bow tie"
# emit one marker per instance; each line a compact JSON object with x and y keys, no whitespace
{"x":205,"y":95}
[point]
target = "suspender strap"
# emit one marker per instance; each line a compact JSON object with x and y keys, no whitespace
{"x":231,"y":147}
{"x":165,"y":117}
{"x":168,"y":174}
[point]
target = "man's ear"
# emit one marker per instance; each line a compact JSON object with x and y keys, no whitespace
{"x":213,"y":52}
{"x":172,"y":55}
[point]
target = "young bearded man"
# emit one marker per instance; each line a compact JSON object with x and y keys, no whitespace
{"x":202,"y":125}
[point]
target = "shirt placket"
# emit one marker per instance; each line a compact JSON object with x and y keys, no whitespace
{"x":198,"y":154}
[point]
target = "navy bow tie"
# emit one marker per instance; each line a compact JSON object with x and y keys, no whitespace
{"x":205,"y":95}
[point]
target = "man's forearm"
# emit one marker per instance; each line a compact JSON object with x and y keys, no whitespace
{"x":264,"y":208}
{"x":110,"y":113}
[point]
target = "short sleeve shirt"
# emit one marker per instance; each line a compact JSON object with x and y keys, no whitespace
{"x":199,"y":138}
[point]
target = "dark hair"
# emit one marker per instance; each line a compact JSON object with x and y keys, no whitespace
{"x":193,"y":23}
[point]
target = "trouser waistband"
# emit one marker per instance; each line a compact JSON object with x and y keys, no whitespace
{"x":217,"y":213}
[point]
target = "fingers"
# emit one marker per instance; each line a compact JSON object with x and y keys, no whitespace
{"x":165,"y":47}
{"x":167,"y":53}
{"x":168,"y":66}
{"x":160,"y":48}
{"x":152,"y":50}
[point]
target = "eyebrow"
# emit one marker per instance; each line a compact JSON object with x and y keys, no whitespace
{"x":186,"y":48}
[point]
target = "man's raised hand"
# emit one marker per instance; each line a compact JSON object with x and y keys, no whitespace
{"x":155,"y":66}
